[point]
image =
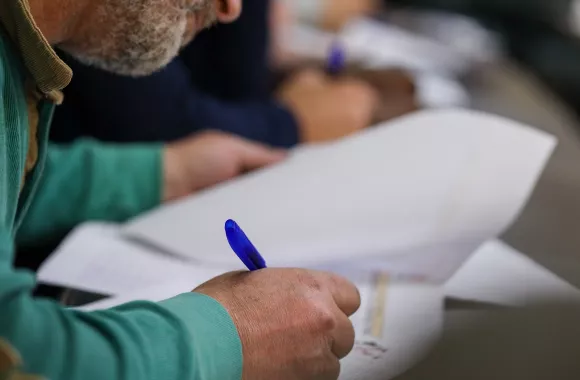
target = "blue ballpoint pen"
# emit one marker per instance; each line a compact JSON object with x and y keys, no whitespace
{"x":243,"y":247}
{"x":336,"y":59}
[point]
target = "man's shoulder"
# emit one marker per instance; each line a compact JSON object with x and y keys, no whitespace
{"x":12,"y":77}
{"x":10,"y":64}
{"x":3,"y":56}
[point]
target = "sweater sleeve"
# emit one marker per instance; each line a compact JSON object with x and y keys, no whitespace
{"x":189,"y":337}
{"x":92,"y":181}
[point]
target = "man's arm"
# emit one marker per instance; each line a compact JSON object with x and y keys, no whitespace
{"x":190,"y":337}
{"x":92,"y":181}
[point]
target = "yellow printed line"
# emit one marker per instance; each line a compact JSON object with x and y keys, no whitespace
{"x":378,"y":316}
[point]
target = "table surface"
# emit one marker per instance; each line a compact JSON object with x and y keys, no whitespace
{"x":534,"y":344}
{"x":549,"y":228}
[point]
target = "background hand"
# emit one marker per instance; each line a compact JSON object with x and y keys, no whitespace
{"x":209,"y":158}
{"x":396,"y":88}
{"x":328,"y":108}
{"x":293,"y":323}
{"x":336,"y":13}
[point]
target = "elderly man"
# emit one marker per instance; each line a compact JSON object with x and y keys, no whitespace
{"x":272,"y":324}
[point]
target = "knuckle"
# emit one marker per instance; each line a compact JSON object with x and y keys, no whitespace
{"x":325,"y":320}
{"x":309,"y":280}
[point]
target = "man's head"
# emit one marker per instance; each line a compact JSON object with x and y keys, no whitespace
{"x":138,"y":37}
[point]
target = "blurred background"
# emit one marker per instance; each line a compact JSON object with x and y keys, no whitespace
{"x":516,"y":58}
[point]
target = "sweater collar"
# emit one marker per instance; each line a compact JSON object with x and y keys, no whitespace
{"x":48,"y":71}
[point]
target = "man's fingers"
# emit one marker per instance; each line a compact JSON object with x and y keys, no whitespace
{"x":255,"y":156}
{"x":332,"y":369}
{"x":310,"y":77}
{"x":344,"y":292}
{"x":343,"y":337}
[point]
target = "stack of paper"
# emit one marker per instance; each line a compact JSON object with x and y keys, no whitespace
{"x":398,"y":209}
{"x":420,"y":193}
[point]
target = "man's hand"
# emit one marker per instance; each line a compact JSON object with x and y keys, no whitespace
{"x":293,"y":323}
{"x":328,"y":108}
{"x":336,"y":13}
{"x":209,"y":158}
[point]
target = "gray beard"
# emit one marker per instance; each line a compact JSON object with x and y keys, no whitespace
{"x":135,"y":40}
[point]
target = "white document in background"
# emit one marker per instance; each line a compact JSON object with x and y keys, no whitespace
{"x":378,"y":44}
{"x":396,"y":325}
{"x":498,"y":274}
{"x":375,"y":45}
{"x":419,"y":184}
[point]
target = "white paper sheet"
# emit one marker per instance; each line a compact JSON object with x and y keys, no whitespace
{"x":389,"y":341}
{"x":498,"y":274}
{"x":377,"y":44}
{"x":396,"y":326}
{"x":381,"y":45}
{"x":95,"y":258}
{"x":420,"y":184}
{"x":155,"y":293}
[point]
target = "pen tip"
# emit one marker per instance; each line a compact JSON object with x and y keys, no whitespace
{"x":231,"y":225}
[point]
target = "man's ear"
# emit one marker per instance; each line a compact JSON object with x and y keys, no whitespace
{"x":228,"y":10}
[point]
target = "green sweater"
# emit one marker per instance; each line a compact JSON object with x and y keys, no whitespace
{"x":188,"y":337}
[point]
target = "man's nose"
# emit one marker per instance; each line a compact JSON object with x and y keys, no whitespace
{"x":228,"y":10}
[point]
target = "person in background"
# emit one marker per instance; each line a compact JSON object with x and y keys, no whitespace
{"x":541,"y":35}
{"x":221,"y":81}
{"x":284,"y":324}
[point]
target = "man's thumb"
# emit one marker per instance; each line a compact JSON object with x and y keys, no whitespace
{"x":255,"y":156}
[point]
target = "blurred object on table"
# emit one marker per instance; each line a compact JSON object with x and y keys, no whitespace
{"x":461,"y":33}
{"x":397,"y":89}
{"x":552,"y":13}
{"x":436,"y":63}
{"x":542,"y":35}
{"x":381,"y":43}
